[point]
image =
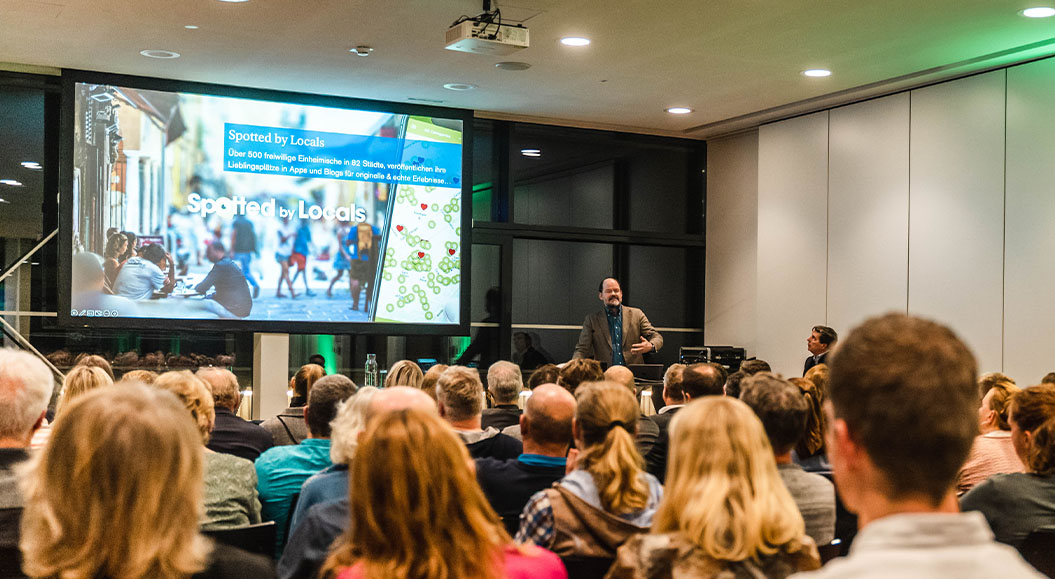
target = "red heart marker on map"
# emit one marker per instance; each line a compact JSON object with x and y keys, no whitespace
{"x":450,"y":251}
{"x":421,"y":254}
{"x":424,"y":206}
{"x":399,"y":228}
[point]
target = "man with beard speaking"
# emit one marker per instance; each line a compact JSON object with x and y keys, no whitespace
{"x":616,"y":324}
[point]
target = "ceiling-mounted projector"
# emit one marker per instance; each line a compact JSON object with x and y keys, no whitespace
{"x":487,"y":38}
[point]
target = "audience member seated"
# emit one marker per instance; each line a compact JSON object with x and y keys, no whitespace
{"x":25,"y":389}
{"x":546,"y":374}
{"x":647,"y":429}
{"x":449,"y":531}
{"x":783,"y":412}
{"x":289,"y":427}
{"x":607,"y":497}
{"x":725,"y":512}
{"x":428,"y":381}
{"x":404,"y":373}
{"x":988,"y":380}
{"x":546,"y":429}
{"x":1017,"y":503}
{"x":229,"y":481}
{"x":732,"y":384}
{"x":79,"y":380}
{"x":578,"y":371}
{"x":754,"y":366}
{"x":904,"y":414}
{"x":142,"y":377}
{"x":695,"y":381}
{"x":331,"y":483}
{"x":504,"y":382}
{"x":810,"y":452}
{"x":1048,"y":378}
{"x":232,"y":434}
{"x":282,"y":470}
{"x":819,"y":376}
{"x":461,"y":401}
{"x":310,"y":542}
{"x":117,"y":493}
{"x":993,"y":452}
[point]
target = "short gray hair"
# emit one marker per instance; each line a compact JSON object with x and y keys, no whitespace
{"x":504,"y":381}
{"x":223,"y":384}
{"x":26,"y":385}
{"x":352,"y":415}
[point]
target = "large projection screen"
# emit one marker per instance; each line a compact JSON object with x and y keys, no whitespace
{"x":187,"y":205}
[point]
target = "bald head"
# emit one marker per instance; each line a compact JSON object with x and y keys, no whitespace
{"x":621,"y":375}
{"x":547,"y":417}
{"x":401,"y":398}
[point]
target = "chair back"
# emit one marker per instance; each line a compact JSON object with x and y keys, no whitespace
{"x":1039,"y":550}
{"x":587,"y":567}
{"x":259,"y":539}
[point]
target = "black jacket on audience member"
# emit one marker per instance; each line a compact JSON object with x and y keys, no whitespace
{"x":226,"y":562}
{"x":500,"y":416}
{"x":656,"y":459}
{"x":232,"y":435}
{"x":491,"y":443}
{"x":508,"y":484}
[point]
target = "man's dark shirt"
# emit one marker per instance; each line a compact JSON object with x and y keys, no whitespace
{"x":509,"y":484}
{"x":232,"y":289}
{"x":10,"y":496}
{"x":647,"y":434}
{"x":532,"y":359}
{"x":814,"y":361}
{"x":232,"y":435}
{"x":500,"y":416}
{"x":310,"y":542}
{"x":656,"y":459}
{"x":615,"y":329}
{"x":244,"y":236}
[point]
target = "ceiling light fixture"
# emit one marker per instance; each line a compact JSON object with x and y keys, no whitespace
{"x":679,"y":110}
{"x":1038,"y":12}
{"x":531,"y":152}
{"x":575,"y":41}
{"x":512,"y":66}
{"x":10,"y":182}
{"x":4,"y":201}
{"x":191,"y":27}
{"x":32,"y":165}
{"x":162,"y":54}
{"x":361,"y":50}
{"x":459,"y":86}
{"x":817,"y":72}
{"x":233,"y":1}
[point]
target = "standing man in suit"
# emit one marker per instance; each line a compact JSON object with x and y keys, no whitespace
{"x":819,"y":344}
{"x":624,"y":326}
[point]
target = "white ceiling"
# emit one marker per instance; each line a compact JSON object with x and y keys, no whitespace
{"x":736,"y":62}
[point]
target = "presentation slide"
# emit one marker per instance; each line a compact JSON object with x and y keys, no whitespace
{"x":197,"y":206}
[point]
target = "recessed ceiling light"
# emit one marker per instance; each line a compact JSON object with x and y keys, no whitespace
{"x":4,"y":201}
{"x":361,"y":50}
{"x":32,"y":165}
{"x":163,"y":54}
{"x":512,"y":66}
{"x":191,"y":27}
{"x":531,"y":152}
{"x":817,"y":72}
{"x":679,"y":110}
{"x":10,"y":182}
{"x":234,"y":1}
{"x":575,"y":41}
{"x":459,"y":86}
{"x":1038,"y":12}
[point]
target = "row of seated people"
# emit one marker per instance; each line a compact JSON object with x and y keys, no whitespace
{"x":418,"y":481}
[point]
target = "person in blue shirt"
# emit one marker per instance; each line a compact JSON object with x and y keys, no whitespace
{"x":301,"y":251}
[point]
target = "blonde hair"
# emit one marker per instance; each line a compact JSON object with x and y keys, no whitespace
{"x":417,"y":507}
{"x":729,"y":500}
{"x":80,"y":380}
{"x":606,"y":418}
{"x":350,"y":421}
{"x":812,"y":441}
{"x":194,"y":394}
{"x":1000,"y":402}
{"x":460,"y":392}
{"x":144,"y":376}
{"x":428,"y":381}
{"x":404,"y":373}
{"x":117,"y":491}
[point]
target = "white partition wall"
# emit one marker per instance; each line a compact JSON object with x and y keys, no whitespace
{"x":868,"y":200}
{"x":1029,"y":266}
{"x":956,"y":216}
{"x":732,"y":241}
{"x":792,"y":238}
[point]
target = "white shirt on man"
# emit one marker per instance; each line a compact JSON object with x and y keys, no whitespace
{"x":139,"y":279}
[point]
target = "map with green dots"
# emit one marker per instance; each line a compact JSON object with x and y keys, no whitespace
{"x":421,"y":268}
